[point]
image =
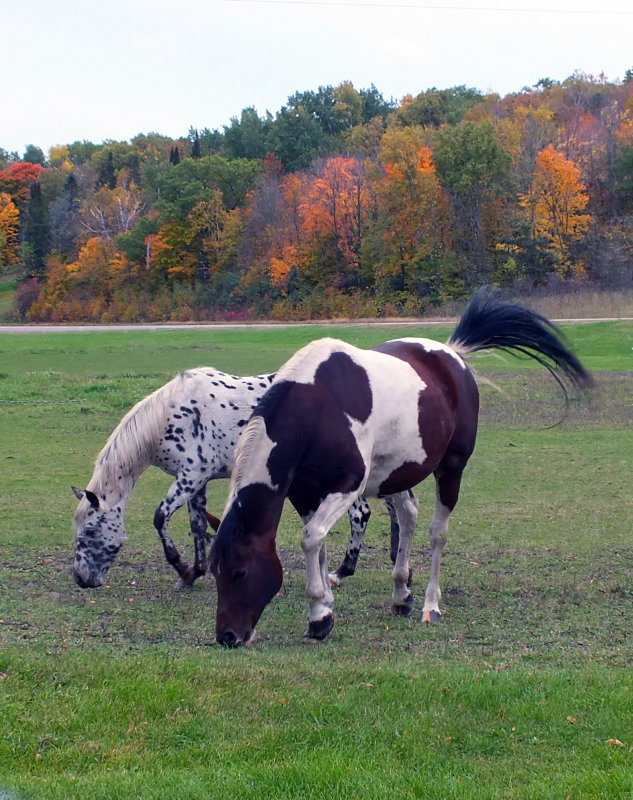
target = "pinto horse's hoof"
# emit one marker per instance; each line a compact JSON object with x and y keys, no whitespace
{"x":403,"y":609}
{"x":321,"y":628}
{"x":334,"y":579}
{"x":431,"y":616}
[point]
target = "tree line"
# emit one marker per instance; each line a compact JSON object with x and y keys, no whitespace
{"x":340,"y":204}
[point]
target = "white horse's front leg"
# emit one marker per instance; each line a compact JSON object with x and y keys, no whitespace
{"x":320,"y":619}
{"x":406,"y":507}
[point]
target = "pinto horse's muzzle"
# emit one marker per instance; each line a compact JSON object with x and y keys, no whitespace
{"x":230,"y":639}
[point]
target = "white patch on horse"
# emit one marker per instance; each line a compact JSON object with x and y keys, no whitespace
{"x":254,"y":448}
{"x":303,"y":365}
{"x":390,"y":436}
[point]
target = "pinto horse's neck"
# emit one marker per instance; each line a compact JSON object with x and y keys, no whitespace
{"x":253,"y":466}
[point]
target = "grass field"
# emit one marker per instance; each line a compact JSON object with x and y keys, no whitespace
{"x":523,"y":691}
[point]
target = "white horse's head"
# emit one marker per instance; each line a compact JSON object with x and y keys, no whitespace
{"x":100,"y":535}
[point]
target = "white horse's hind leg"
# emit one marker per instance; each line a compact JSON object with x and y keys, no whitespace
{"x":439,"y":526}
{"x":406,"y":507}
{"x":359,"y":514}
{"x":316,"y":527}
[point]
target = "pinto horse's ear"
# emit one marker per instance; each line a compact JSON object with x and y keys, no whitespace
{"x":77,"y":492}
{"x":214,"y":522}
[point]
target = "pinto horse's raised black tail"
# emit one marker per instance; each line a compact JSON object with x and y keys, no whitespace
{"x":490,"y":323}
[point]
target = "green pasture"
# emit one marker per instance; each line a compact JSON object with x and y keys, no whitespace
{"x":524,"y":690}
{"x":8,"y":288}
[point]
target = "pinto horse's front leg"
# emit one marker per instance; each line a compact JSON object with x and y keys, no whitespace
{"x":316,"y":528}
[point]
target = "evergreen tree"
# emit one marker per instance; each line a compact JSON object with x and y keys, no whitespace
{"x":134,"y":167}
{"x":107,"y":176}
{"x":374,"y":104}
{"x":195,"y":144}
{"x":34,"y":155}
{"x":36,"y":234}
{"x":64,"y":218}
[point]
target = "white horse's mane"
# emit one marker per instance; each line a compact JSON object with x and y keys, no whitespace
{"x":129,"y":448}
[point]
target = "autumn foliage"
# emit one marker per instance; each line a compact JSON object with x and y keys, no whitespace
{"x":340,"y":205}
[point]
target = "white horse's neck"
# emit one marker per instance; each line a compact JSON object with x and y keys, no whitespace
{"x":128,"y":451}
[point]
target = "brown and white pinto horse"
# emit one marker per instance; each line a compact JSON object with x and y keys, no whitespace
{"x":338,"y":423}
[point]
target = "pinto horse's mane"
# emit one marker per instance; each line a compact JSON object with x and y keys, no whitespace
{"x":223,"y":549}
{"x":129,"y":448}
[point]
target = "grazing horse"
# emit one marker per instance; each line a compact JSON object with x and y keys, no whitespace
{"x":188,"y":428}
{"x":339,"y":422}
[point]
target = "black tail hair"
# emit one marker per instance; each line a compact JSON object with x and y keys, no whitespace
{"x":491,"y":323}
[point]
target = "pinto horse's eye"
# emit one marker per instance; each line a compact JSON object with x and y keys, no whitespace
{"x":239,"y":574}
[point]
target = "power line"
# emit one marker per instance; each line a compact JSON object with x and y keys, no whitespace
{"x":425,"y":7}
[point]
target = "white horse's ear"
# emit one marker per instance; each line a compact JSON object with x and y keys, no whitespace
{"x":91,"y":497}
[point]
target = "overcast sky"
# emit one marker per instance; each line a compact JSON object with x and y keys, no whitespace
{"x":83,"y":70}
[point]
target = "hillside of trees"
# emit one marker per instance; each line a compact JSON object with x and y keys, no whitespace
{"x":340,"y":204}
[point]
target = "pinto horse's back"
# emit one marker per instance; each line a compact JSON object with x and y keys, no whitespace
{"x":379,"y":420}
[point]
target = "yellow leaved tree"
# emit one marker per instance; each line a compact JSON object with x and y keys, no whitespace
{"x":9,"y":227}
{"x":556,"y":204}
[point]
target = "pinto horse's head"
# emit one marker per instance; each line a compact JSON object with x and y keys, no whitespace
{"x":248,"y":574}
{"x":99,"y":534}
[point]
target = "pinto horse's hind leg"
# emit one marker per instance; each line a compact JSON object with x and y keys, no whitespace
{"x":406,"y":509}
{"x":447,"y":491}
{"x":359,"y":513}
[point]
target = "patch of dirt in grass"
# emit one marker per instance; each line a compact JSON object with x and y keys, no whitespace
{"x":506,"y":605}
